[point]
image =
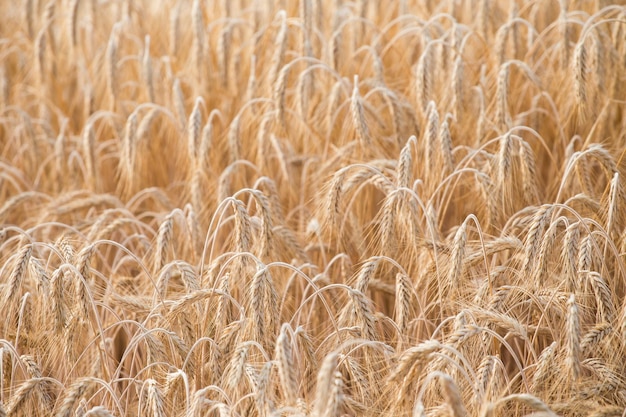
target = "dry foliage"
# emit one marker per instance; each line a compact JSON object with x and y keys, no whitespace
{"x":312,"y":208}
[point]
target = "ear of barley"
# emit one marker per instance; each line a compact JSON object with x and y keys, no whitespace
{"x":586,"y":255}
{"x":128,"y":151}
{"x":333,"y":198}
{"x":431,"y":137}
{"x":445,"y":146}
{"x":572,"y":340}
{"x":570,"y":255}
{"x":278,"y":96}
{"x":485,"y":374}
{"x":503,"y":117}
{"x":529,"y":173}
{"x":423,"y":76}
{"x":545,"y":367}
{"x":603,"y":296}
{"x":263,"y":298}
{"x":237,"y":365}
{"x":263,"y":400}
{"x":402,"y":301}
{"x":164,"y":236}
{"x":545,"y":252}
{"x":194,"y":127}
{"x":580,"y":74}
{"x":533,"y":239}
{"x":458,"y":255}
{"x":362,"y":310}
{"x":20,"y":267}
{"x":82,"y":281}
{"x":57,"y":300}
{"x":502,"y":37}
{"x":337,"y":396}
{"x":20,"y":397}
{"x":414,"y":359}
{"x":266,"y":224}
{"x":365,"y":275}
{"x":243,"y":237}
{"x":286,"y":365}
{"x":155,"y":400}
{"x":358,"y":115}
{"x":594,"y":337}
{"x":324,"y":387}
{"x":404,"y":169}
{"x":452,"y":395}
{"x":616,"y":198}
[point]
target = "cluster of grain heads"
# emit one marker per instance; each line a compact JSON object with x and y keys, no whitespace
{"x":312,"y":208}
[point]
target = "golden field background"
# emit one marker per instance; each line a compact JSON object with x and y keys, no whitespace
{"x":312,"y":208}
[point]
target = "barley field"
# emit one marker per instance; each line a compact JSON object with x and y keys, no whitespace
{"x":312,"y":208}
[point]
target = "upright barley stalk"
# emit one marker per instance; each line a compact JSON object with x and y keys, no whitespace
{"x":325,"y":399}
{"x":402,"y":302}
{"x":286,"y":365}
{"x":431,"y":137}
{"x":164,"y":236}
{"x":358,"y":115}
{"x":503,"y":117}
{"x":194,"y":127}
{"x":580,"y":74}
{"x":423,"y":76}
{"x":572,"y":340}
{"x":20,"y":268}
{"x":155,"y":400}
{"x":126,"y":166}
{"x":404,"y":169}
{"x":458,"y":255}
